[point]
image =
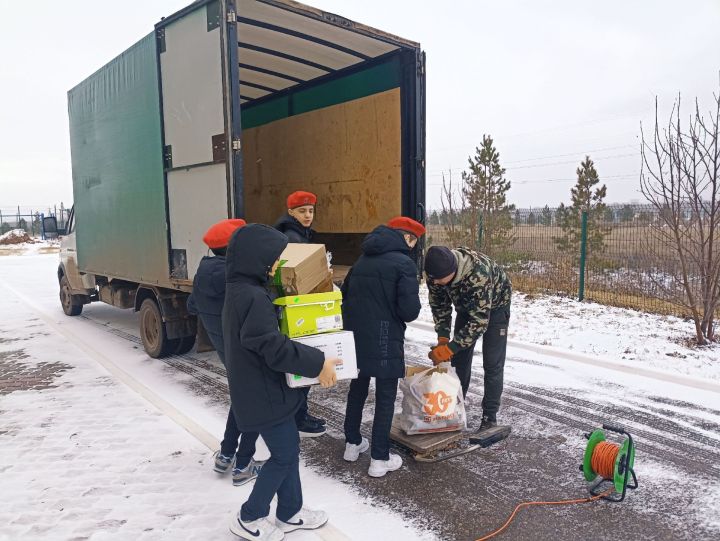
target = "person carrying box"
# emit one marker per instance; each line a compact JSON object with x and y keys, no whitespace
{"x":380,"y":295}
{"x":296,"y":225}
{"x":206,"y":302}
{"x":257,"y":357}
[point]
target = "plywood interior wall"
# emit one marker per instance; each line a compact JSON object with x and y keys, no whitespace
{"x":347,"y":154}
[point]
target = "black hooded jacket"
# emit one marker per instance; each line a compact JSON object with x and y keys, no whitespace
{"x":257,"y":355}
{"x":380,"y":295}
{"x":207,"y":297}
{"x":294,"y":230}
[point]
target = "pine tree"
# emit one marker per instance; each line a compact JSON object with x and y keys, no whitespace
{"x":585,"y":197}
{"x":627,"y":214}
{"x":531,"y":220}
{"x":485,"y":189}
{"x":546,"y":216}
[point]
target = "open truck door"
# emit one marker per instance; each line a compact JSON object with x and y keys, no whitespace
{"x":263,"y":97}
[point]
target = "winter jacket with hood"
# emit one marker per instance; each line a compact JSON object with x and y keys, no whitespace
{"x":381,"y":295}
{"x":207,"y":298}
{"x":257,"y":355}
{"x":294,"y":230}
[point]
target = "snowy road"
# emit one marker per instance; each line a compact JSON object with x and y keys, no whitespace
{"x":550,"y":400}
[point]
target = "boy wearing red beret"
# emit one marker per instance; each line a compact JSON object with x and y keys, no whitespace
{"x":206,"y":302}
{"x":296,"y":225}
{"x":380,"y":296}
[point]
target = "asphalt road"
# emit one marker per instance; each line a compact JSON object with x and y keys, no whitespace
{"x":469,"y":496}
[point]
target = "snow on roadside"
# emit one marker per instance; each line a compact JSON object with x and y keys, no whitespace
{"x":620,"y":334}
{"x":88,"y":458}
{"x":18,"y":242}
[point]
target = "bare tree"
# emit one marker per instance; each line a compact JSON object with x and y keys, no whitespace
{"x":680,"y":178}
{"x":454,"y":213}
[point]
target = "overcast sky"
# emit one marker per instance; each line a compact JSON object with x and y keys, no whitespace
{"x":551,"y":81}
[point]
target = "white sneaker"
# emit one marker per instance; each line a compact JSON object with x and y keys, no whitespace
{"x":378,"y":468}
{"x":352,"y":451}
{"x":256,"y":530}
{"x":305,"y":519}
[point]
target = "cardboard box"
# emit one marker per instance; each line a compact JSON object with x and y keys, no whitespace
{"x":303,"y":315}
{"x":334,"y":345}
{"x":302,"y":268}
{"x":326,"y":286}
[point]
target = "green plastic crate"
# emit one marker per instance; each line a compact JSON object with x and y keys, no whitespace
{"x":304,"y":315}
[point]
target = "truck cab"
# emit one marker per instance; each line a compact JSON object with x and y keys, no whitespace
{"x":76,"y":288}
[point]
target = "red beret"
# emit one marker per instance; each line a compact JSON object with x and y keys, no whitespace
{"x":407,"y":224}
{"x":218,"y":236}
{"x":300,"y":199}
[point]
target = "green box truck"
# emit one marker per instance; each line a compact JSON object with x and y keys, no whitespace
{"x":223,"y":110}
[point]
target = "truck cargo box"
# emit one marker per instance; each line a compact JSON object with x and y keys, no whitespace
{"x":223,"y":110}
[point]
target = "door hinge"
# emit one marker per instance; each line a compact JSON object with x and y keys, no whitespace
{"x":237,"y":144}
{"x":160,"y":36}
{"x":167,"y":157}
{"x":231,"y":17}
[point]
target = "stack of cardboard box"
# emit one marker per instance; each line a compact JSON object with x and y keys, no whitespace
{"x":311,"y":310}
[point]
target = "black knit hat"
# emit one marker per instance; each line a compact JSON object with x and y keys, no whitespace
{"x":440,"y":262}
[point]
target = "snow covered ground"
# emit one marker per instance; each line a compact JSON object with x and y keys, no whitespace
{"x":18,"y":242}
{"x":91,"y":453}
{"x":616,"y":334}
{"x":121,"y":447}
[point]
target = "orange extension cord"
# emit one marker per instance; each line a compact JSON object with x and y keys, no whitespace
{"x":603,"y":463}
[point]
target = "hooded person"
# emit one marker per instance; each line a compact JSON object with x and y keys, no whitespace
{"x":480,"y":291}
{"x":380,"y":296}
{"x":206,"y":302}
{"x":296,"y":226}
{"x":258,"y":356}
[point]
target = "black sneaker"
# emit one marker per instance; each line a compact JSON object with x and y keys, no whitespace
{"x":310,"y":430}
{"x":317,"y":420}
{"x":487,"y":423}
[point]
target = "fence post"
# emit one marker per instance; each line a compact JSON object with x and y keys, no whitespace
{"x":583,"y":255}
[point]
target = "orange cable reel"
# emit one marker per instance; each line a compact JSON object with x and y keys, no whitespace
{"x":608,"y":468}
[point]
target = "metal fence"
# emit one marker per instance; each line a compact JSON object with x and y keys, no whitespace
{"x":30,"y":220}
{"x":631,"y":266}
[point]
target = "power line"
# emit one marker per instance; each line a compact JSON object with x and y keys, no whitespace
{"x":566,"y":162}
{"x":586,"y":152}
{"x":536,"y":181}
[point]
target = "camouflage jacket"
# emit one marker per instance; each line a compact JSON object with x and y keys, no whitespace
{"x":482,"y":287}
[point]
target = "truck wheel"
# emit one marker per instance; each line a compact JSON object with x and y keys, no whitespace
{"x":152,"y":330}
{"x":69,"y":302}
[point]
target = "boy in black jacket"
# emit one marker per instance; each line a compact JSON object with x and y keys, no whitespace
{"x":206,"y":301}
{"x":258,"y":356}
{"x":297,"y":227}
{"x":380,"y":295}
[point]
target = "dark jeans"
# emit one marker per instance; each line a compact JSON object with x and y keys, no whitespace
{"x":494,"y":347}
{"x":229,"y":446}
{"x":385,"y":393}
{"x":280,"y":475}
{"x":303,"y":411}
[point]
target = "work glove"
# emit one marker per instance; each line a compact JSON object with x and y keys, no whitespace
{"x":440,"y":354}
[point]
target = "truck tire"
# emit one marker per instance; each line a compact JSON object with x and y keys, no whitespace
{"x":152,"y":330}
{"x":70,"y":305}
